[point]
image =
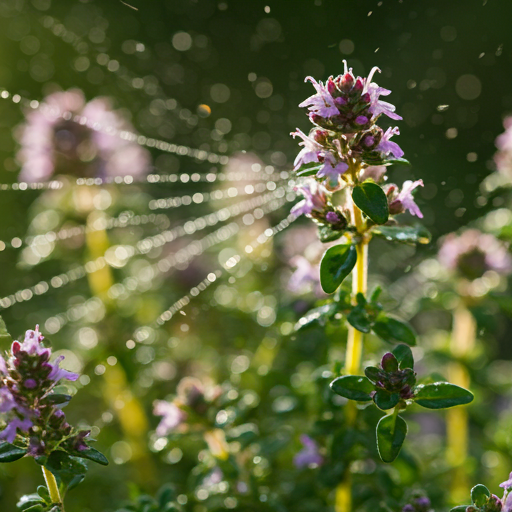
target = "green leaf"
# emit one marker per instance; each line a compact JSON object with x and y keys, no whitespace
{"x":404,"y":356}
{"x":371,"y":200}
{"x":92,"y":454}
{"x":309,"y":169}
{"x":373,"y":373}
{"x":327,"y":234}
{"x":374,"y":297}
{"x":479,"y":495}
{"x":42,"y":491}
{"x":391,"y":432}
{"x":359,"y":319}
{"x":441,"y":395}
{"x":353,"y":387}
{"x":11,"y":453}
{"x":29,"y":500}
{"x":460,"y":508}
{"x":336,"y":265}
{"x":385,"y":400}
{"x":69,"y":470}
{"x":35,"y":508}
{"x":57,"y":399}
{"x":316,"y":314}
{"x":405,"y":234}
{"x":392,"y":330}
{"x":398,"y":161}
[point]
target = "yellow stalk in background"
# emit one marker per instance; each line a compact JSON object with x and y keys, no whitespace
{"x":457,"y":421}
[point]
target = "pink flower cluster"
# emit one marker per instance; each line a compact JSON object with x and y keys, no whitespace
{"x":66,"y":135}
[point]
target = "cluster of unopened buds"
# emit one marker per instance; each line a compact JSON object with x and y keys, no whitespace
{"x":347,"y":148}
{"x":32,"y":412}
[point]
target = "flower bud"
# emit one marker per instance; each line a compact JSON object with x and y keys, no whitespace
{"x":331,"y":87}
{"x":389,"y":363}
{"x":347,"y":82}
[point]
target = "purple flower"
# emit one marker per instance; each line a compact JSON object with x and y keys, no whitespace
{"x":171,"y":414}
{"x":53,"y":142}
{"x":472,"y":253}
{"x":3,"y":366}
{"x":508,"y":503}
{"x":32,"y":344}
{"x":310,"y":152}
{"x":214,"y":478}
{"x":507,"y":484}
{"x":375,"y":172}
{"x":58,"y":373}
{"x":503,"y":158}
{"x":9,"y":433}
{"x":378,"y":107}
{"x":404,"y":200}
{"x":304,"y":275}
{"x":30,"y":384}
{"x":309,"y":455}
{"x":315,"y":198}
{"x":332,"y":169}
{"x":7,"y":401}
{"x":321,"y":103}
{"x":388,"y":147}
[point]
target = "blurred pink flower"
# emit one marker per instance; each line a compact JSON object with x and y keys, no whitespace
{"x":503,"y":157}
{"x":52,"y":142}
{"x":473,"y":253}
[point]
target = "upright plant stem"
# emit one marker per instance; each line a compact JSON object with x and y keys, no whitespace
{"x":53,"y":488}
{"x":354,"y":354}
{"x":457,"y":422}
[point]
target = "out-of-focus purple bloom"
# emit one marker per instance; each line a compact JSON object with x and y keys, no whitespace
{"x":321,"y":103}
{"x":172,"y":416}
{"x":507,"y":484}
{"x":214,"y":478}
{"x":58,"y":373}
{"x":388,"y":147}
{"x":315,"y":198}
{"x":9,"y":432}
{"x":304,"y":275}
{"x":503,"y":158}
{"x":472,"y":253}
{"x":309,"y":455}
{"x":408,"y":508}
{"x":66,"y":135}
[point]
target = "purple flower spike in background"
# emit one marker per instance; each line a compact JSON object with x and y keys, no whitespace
{"x":53,"y":142}
{"x":309,"y":456}
{"x":172,"y":416}
{"x":473,"y":253}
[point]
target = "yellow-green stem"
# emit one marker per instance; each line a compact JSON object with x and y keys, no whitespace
{"x":457,"y":421}
{"x":343,"y":502}
{"x":53,"y":488}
